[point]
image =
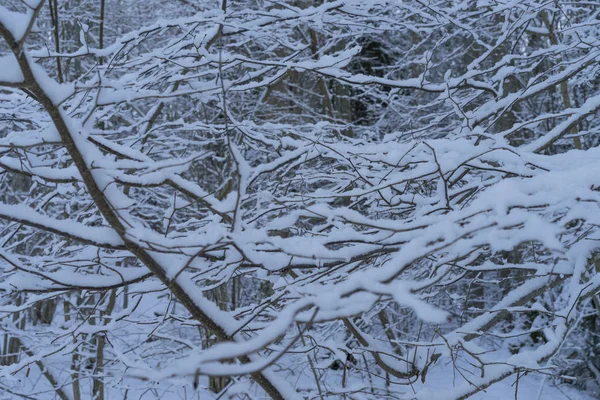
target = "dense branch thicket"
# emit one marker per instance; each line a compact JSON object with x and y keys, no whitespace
{"x":297,"y":199}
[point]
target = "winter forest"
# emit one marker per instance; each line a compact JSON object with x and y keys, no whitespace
{"x":299,"y":199}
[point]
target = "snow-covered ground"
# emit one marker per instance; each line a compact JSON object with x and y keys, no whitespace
{"x":530,"y":387}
